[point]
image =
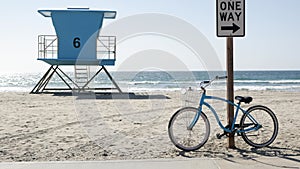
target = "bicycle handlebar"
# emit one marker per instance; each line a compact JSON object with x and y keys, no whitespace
{"x":208,"y":82}
{"x":221,"y":77}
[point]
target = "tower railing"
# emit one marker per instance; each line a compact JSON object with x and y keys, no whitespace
{"x":48,"y":47}
{"x":106,"y":47}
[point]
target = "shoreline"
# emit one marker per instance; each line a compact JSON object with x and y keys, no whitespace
{"x":141,"y":90}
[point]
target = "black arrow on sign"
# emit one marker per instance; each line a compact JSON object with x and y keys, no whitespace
{"x":234,"y":28}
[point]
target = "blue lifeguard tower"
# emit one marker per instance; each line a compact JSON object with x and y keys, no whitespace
{"x":77,"y":44}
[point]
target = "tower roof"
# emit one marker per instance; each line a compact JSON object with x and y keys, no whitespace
{"x":107,"y":14}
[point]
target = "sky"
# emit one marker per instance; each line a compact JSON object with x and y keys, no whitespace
{"x":271,"y":41}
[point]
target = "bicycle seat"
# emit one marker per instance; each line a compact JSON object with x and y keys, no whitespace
{"x":244,"y":99}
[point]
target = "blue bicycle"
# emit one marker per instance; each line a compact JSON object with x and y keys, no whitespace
{"x":189,"y":127}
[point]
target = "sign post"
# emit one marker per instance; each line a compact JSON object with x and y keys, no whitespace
{"x":230,"y":23}
{"x":230,"y":88}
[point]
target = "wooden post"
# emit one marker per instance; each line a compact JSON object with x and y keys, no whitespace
{"x":230,"y":89}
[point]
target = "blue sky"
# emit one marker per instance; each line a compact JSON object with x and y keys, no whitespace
{"x":271,"y":41}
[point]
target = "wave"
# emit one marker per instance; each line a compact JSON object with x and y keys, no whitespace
{"x":272,"y":88}
{"x":269,"y":81}
{"x":142,"y":82}
{"x":285,"y":81}
{"x":15,"y":89}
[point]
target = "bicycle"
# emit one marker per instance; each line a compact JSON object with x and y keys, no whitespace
{"x":189,"y":127}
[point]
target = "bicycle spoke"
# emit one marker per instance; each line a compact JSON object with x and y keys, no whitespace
{"x":183,"y":137}
{"x":264,"y":132}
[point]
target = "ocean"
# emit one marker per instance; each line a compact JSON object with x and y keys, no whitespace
{"x":160,"y":80}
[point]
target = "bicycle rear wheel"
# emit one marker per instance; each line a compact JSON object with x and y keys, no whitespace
{"x":184,"y":138}
{"x":268,"y":130}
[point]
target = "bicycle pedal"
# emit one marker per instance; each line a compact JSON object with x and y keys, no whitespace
{"x":219,"y":135}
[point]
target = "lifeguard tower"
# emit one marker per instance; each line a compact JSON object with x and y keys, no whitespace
{"x":78,"y":43}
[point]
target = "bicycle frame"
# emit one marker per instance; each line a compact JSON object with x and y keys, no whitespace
{"x":232,"y":127}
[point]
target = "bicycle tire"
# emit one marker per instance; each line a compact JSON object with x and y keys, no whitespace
{"x":181,"y":136}
{"x":271,"y":130}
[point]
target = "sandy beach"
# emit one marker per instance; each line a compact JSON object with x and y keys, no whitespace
{"x":49,"y":127}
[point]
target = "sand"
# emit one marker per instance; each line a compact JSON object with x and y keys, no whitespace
{"x":49,"y":127}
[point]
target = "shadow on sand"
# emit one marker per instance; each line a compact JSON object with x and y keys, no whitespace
{"x":272,"y":151}
{"x":291,"y":154}
{"x":109,"y":95}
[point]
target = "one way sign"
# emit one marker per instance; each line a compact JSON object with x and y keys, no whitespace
{"x":230,"y":18}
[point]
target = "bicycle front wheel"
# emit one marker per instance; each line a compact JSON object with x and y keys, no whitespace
{"x":180,"y":133}
{"x":266,"y":122}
